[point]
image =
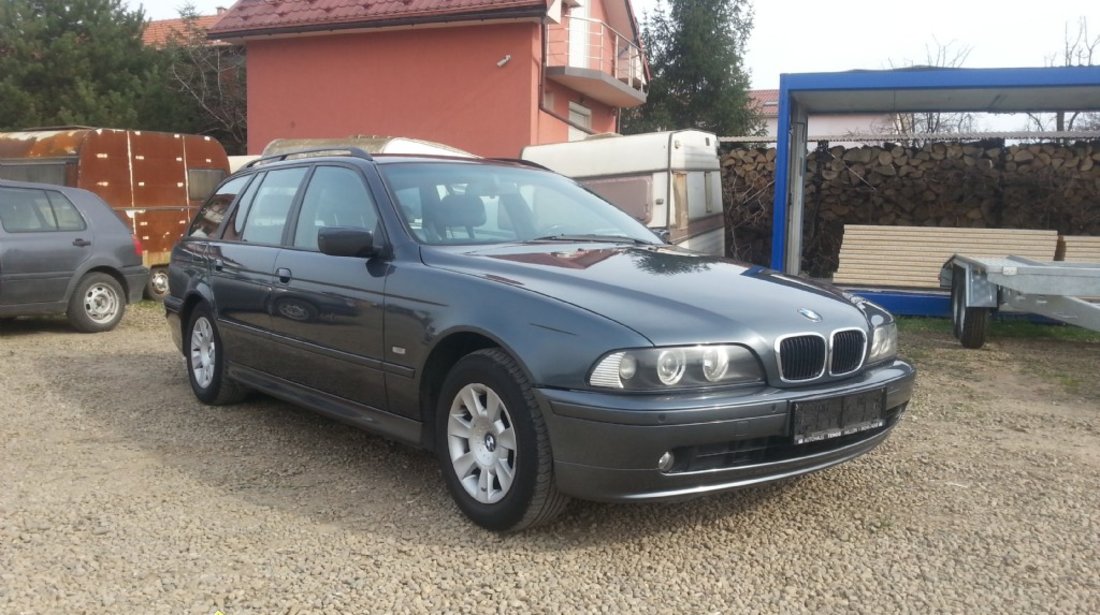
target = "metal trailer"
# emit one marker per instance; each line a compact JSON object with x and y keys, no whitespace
{"x":155,"y":181}
{"x":1053,"y":289}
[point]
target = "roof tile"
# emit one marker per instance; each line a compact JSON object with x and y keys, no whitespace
{"x":158,"y":33}
{"x":256,"y":15}
{"x":766,"y":102}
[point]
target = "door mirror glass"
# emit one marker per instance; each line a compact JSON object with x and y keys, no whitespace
{"x":346,"y":241}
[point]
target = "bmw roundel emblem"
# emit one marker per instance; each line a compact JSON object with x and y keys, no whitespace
{"x":810,"y":314}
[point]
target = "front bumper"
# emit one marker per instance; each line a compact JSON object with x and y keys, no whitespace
{"x":606,"y":446}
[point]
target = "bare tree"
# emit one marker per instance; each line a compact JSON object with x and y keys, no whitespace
{"x":1078,"y":49}
{"x":938,"y":55}
{"x":212,"y":73}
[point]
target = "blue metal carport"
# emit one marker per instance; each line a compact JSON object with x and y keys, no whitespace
{"x":992,"y":90}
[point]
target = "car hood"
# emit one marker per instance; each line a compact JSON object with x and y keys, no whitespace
{"x":668,"y":295}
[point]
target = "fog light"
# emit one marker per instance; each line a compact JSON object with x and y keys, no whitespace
{"x":664,"y":464}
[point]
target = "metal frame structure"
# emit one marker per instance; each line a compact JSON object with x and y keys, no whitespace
{"x":1017,"y":284}
{"x":988,"y":90}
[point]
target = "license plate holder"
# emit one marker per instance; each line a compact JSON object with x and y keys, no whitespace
{"x":833,"y":417}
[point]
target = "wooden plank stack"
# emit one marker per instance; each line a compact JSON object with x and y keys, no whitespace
{"x":1081,"y":249}
{"x":911,"y":256}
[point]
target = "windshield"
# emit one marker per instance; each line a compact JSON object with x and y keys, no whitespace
{"x":474,"y":203}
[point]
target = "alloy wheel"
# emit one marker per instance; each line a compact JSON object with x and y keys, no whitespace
{"x":202,"y":352}
{"x":482,"y":443}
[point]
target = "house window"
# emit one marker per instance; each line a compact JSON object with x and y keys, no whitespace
{"x":580,"y":121}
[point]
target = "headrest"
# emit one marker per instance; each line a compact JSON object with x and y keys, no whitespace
{"x":461,"y":210}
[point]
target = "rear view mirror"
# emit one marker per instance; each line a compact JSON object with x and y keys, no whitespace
{"x":346,"y":241}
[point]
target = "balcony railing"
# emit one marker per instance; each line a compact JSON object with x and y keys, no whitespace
{"x":597,"y":52}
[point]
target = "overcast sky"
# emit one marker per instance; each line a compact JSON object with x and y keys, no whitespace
{"x":794,"y":36}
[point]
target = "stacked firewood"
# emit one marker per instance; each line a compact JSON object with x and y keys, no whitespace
{"x":984,"y":184}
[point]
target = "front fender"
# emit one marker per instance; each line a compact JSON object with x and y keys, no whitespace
{"x":555,"y":342}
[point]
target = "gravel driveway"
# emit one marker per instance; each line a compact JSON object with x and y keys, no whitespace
{"x":119,"y":493}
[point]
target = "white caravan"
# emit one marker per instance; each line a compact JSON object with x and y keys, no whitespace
{"x":667,"y":180}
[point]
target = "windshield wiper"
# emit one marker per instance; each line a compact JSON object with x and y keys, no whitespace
{"x":592,"y":237}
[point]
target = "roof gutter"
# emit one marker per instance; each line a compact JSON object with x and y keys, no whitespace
{"x":517,"y":13}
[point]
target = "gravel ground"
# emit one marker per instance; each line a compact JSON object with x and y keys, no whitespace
{"x":120,"y":493}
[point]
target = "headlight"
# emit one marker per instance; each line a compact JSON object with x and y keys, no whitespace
{"x":656,"y":369}
{"x":884,"y":343}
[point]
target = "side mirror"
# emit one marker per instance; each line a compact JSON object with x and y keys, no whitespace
{"x":663,"y":234}
{"x":346,"y":241}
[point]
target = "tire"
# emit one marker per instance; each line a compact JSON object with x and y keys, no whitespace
{"x":156,"y":287}
{"x":205,"y":357}
{"x":969,"y":324}
{"x":97,"y":303}
{"x":502,"y":435}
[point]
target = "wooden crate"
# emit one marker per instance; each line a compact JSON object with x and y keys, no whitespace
{"x":1081,"y":249}
{"x":911,"y":256}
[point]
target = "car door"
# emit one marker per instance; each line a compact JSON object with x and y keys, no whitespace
{"x":242,"y":263}
{"x":45,"y":241}
{"x":329,"y":309}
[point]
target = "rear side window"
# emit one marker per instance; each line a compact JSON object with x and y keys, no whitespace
{"x":34,"y":211}
{"x":212,"y":213}
{"x":65,"y":214}
{"x":267,"y":217}
{"x":336,"y":196}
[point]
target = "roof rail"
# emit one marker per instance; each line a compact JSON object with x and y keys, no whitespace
{"x":306,"y":153}
{"x":521,"y":161}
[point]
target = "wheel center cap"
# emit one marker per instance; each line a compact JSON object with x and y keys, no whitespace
{"x":490,"y":442}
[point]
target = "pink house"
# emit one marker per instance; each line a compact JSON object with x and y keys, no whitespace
{"x":487,"y":76}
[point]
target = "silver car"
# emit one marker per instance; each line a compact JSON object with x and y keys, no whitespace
{"x":64,"y":251}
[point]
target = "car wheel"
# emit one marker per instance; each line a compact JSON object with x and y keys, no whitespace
{"x":969,"y":324}
{"x":206,"y":361}
{"x":156,"y":287}
{"x":97,"y":304}
{"x":493,"y":445}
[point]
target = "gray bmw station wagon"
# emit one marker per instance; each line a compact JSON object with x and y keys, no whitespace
{"x":542,"y":343}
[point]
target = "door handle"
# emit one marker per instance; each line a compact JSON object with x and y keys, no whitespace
{"x":283,"y":274}
{"x":81,"y":243}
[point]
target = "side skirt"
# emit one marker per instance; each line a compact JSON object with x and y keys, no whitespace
{"x":399,"y":428}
